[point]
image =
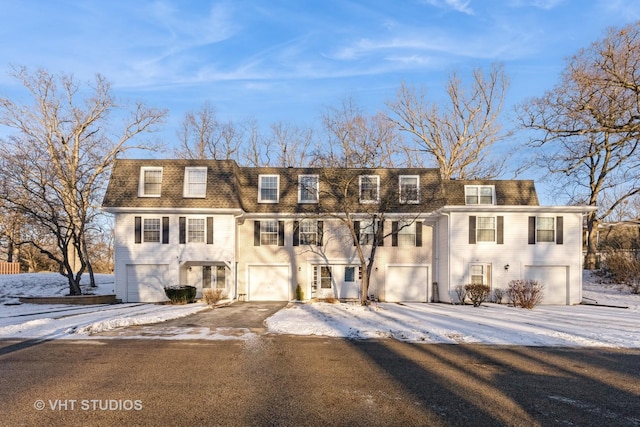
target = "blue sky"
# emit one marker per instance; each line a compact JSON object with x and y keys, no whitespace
{"x":278,"y":60}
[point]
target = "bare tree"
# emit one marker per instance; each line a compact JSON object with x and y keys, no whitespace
{"x":293,"y":144}
{"x":355,"y":139}
{"x":460,"y":134}
{"x":56,"y":165}
{"x":589,"y":126}
{"x":203,"y":136}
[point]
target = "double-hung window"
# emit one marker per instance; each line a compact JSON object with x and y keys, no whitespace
{"x":195,"y":230}
{"x":407,"y":234}
{"x":308,"y":189}
{"x":545,"y":229}
{"x":479,"y":194}
{"x":150,"y":182}
{"x":486,"y":229}
{"x":308,"y":232}
{"x":268,"y":188}
{"x":151,"y":230}
{"x":195,"y":182}
{"x":269,"y":232}
{"x":409,"y":189}
{"x":369,"y":189}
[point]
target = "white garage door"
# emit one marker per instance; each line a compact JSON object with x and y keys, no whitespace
{"x":554,"y":279}
{"x":269,"y":283}
{"x":145,"y":283}
{"x":407,"y":283}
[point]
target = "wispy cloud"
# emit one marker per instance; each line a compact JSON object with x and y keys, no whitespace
{"x":461,"y":6}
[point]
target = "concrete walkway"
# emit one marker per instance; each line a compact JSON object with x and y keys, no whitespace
{"x":233,"y":320}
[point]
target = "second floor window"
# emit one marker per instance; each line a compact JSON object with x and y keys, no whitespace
{"x":151,"y":230}
{"x":369,"y":189}
{"x":486,"y":229}
{"x":269,"y":232}
{"x":268,"y":188}
{"x":195,"y":230}
{"x":308,"y":232}
{"x":545,"y":229}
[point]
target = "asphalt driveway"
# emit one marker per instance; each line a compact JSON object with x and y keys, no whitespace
{"x":235,"y":319}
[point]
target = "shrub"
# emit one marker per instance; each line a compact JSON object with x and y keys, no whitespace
{"x":498,"y":294}
{"x":477,"y":293}
{"x":461,"y":292}
{"x":624,"y":268}
{"x":299,"y":293}
{"x":525,"y":293}
{"x":212,"y":296}
{"x":181,"y":294}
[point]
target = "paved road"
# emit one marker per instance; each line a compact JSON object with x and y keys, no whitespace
{"x":294,"y":381}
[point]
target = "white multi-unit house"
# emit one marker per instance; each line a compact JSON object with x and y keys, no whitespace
{"x":259,"y":233}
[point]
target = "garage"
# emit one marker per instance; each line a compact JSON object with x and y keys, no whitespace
{"x":407,"y":283}
{"x":145,"y":283}
{"x":269,"y":283}
{"x":555,"y":281}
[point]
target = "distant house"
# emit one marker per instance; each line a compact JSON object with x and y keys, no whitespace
{"x":258,"y":233}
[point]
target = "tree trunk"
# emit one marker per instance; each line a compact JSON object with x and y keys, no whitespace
{"x":365,"y":283}
{"x":591,"y":258}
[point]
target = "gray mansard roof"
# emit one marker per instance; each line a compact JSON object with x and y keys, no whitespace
{"x":232,"y":187}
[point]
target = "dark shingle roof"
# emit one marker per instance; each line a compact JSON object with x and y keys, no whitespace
{"x":508,"y":192}
{"x":232,"y":187}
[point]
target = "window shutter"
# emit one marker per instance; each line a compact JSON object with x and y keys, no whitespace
{"x":559,"y":230}
{"x":209,"y":230}
{"x":380,"y":233}
{"x":500,"y":231}
{"x":320,"y":233}
{"x":280,"y":233}
{"x":394,"y":233}
{"x":138,"y":229}
{"x":419,"y":233}
{"x":296,"y":233}
{"x":165,"y":230}
{"x":472,"y":230}
{"x":532,"y":230}
{"x":182,"y":222}
{"x":256,"y":233}
{"x":356,"y":228}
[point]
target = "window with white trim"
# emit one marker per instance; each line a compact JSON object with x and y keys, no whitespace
{"x":151,"y":230}
{"x":409,"y":189}
{"x":406,"y":234}
{"x":486,"y":229}
{"x":150,"y":182}
{"x":325,"y":277}
{"x":480,"y":274}
{"x":545,"y":229}
{"x":479,"y":194}
{"x":308,"y":231}
{"x":195,"y":182}
{"x":350,"y":274}
{"x":195,"y":230}
{"x":269,"y":232}
{"x":308,"y":189}
{"x":369,"y":188}
{"x":368,"y":231}
{"x":268,"y":188}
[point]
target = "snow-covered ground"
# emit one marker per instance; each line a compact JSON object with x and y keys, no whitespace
{"x":582,"y":325}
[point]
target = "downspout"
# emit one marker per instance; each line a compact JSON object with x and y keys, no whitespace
{"x":446,"y":214}
{"x":237,"y":219}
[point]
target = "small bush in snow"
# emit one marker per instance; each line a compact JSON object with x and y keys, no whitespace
{"x":213,"y":296}
{"x":525,"y":293}
{"x":498,"y":295}
{"x":624,"y":268}
{"x":299,"y":293}
{"x":181,"y":294}
{"x":461,"y":292}
{"x":477,"y":293}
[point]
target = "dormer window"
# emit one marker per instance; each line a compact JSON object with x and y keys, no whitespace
{"x":369,"y":189}
{"x":308,"y":189}
{"x":195,"y":182}
{"x":479,"y":194}
{"x":150,"y":182}
{"x":409,"y":189}
{"x":268,"y":188}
